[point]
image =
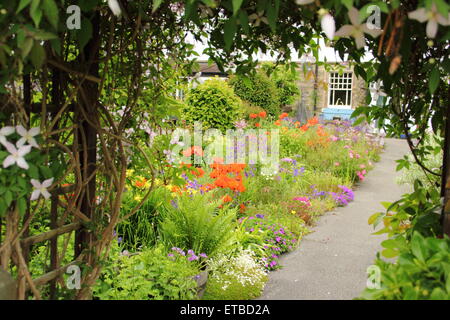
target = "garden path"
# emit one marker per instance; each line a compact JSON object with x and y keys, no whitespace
{"x":331,"y":262}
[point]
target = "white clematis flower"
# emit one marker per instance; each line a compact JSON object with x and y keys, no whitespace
{"x":40,"y":188}
{"x":27,"y":136}
{"x":115,"y":7}
{"x":4,"y":132}
{"x":257,"y":18}
{"x":16,"y":156}
{"x":432,"y":16}
{"x":328,"y":25}
{"x":357,"y":29}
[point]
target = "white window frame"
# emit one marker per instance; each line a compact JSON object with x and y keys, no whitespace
{"x":344,"y":82}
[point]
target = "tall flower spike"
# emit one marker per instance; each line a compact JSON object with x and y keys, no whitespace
{"x":40,"y":188}
{"x":432,"y":16}
{"x":27,"y":136}
{"x":16,"y":156}
{"x":357,"y":29}
{"x":4,"y":132}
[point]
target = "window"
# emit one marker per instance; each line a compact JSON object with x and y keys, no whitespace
{"x":340,"y":90}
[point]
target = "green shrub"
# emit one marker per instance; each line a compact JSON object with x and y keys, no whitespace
{"x":151,"y":274}
{"x":285,"y":80}
{"x":422,"y":271}
{"x":239,"y":277}
{"x":214,"y":104}
{"x":258,"y":90}
{"x":195,"y":222}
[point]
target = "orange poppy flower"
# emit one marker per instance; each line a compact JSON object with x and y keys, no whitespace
{"x":198,"y":172}
{"x":253,"y":116}
{"x":140,"y":183}
{"x":227,"y":198}
{"x":278,"y":123}
{"x":262,"y":114}
{"x":257,"y":125}
{"x":283,"y":115}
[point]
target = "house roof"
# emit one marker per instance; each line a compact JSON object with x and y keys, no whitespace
{"x":209,"y":70}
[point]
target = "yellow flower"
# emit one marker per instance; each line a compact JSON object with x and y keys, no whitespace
{"x":137,"y":198}
{"x":293,"y":212}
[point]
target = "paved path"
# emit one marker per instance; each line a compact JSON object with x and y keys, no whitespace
{"x":331,"y":262}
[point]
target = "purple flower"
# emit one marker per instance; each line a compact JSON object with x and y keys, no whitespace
{"x":260,"y":216}
{"x":203,"y":255}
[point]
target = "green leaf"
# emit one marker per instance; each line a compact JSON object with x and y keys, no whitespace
{"x":417,"y":247}
{"x":43,"y":35}
{"x":26,"y":47}
{"x":359,"y":120}
{"x":3,"y":207}
{"x":438,"y":294}
{"x":36,"y":12}
{"x":434,"y":79}
{"x":374,"y":218}
{"x":8,"y":197}
{"x":22,"y":4}
{"x":51,"y":12}
{"x":156,"y":4}
{"x":22,"y":205}
{"x":390,"y":253}
{"x":347,"y":3}
{"x":230,"y":28}
{"x":85,"y":33}
{"x":37,"y":55}
{"x":236,"y":6}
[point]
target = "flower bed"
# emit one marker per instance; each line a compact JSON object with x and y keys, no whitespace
{"x":241,"y":217}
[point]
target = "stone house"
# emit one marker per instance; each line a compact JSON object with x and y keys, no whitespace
{"x":330,"y":93}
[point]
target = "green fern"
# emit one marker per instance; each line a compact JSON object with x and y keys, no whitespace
{"x":195,"y":222}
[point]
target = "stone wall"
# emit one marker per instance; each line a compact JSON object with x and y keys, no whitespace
{"x":306,"y":85}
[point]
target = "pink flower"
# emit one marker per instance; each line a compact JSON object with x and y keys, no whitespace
{"x":350,"y":154}
{"x":362,"y":166}
{"x":361,"y":175}
{"x":337,"y":164}
{"x":334,"y":138}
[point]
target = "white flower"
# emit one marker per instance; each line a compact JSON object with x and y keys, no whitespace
{"x":432,"y":16}
{"x":115,"y":7}
{"x":40,"y":188}
{"x":257,"y":18}
{"x":356,"y":29}
{"x":301,"y":2}
{"x":376,"y":91}
{"x":328,"y":25}
{"x":16,"y":156}
{"x":27,"y":136}
{"x":4,"y":132}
